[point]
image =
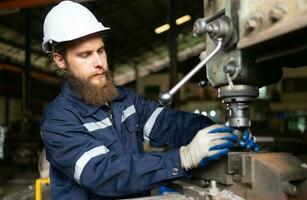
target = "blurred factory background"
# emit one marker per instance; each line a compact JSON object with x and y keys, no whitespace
{"x":139,"y":56}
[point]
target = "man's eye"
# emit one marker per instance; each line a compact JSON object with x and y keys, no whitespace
{"x":84,"y":55}
{"x":101,"y":51}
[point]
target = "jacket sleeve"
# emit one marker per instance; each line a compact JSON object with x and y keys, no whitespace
{"x":163,"y":126}
{"x":92,"y":164}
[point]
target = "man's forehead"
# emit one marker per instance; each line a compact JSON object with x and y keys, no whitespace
{"x":90,"y":41}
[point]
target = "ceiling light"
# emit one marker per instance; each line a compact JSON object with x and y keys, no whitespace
{"x":166,"y":27}
{"x":204,"y":113}
{"x":212,"y":113}
{"x":183,"y":19}
{"x":162,"y":28}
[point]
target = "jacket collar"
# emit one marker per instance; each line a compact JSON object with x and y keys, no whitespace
{"x":83,"y":108}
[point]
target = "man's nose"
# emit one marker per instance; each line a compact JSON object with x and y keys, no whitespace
{"x":98,"y":61}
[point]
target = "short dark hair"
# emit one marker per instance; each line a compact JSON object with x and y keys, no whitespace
{"x":60,"y":48}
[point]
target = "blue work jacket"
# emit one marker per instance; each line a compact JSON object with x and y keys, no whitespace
{"x":93,"y":158}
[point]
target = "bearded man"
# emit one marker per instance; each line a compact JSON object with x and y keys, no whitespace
{"x":94,"y":131}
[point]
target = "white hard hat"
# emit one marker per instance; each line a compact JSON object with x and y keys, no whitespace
{"x":68,"y":21}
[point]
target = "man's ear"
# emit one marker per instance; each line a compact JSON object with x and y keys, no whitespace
{"x":59,"y":60}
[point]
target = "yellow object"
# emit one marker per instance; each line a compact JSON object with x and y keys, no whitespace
{"x":179,"y":21}
{"x":38,"y":187}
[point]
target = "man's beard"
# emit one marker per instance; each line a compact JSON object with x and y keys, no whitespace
{"x":91,"y":94}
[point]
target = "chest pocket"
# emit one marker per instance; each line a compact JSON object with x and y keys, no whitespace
{"x":131,"y":132}
{"x":129,"y":120}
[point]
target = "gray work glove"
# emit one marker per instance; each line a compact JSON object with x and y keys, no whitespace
{"x":210,"y":143}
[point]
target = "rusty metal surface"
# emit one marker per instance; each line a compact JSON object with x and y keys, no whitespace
{"x":257,"y":23}
{"x":263,"y":14}
{"x":282,"y":28}
{"x":257,"y":176}
{"x":273,"y":175}
{"x":249,"y":72}
{"x":271,"y":35}
{"x":280,"y":162}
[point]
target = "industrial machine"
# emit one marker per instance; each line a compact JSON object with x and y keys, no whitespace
{"x":22,"y":142}
{"x":248,"y":42}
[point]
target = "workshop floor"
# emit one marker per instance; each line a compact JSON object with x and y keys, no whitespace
{"x":17,"y":182}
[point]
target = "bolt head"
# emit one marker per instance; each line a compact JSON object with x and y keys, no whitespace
{"x":276,"y":14}
{"x":251,"y":25}
{"x":199,"y":27}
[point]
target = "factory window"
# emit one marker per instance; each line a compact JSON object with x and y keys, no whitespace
{"x":263,"y":93}
{"x":297,"y":121}
{"x":294,"y":85}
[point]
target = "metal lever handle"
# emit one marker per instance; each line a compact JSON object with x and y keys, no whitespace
{"x":167,"y":97}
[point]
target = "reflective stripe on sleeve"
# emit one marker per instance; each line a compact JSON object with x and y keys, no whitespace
{"x":86,"y":157}
{"x":93,"y":126}
{"x":150,"y":123}
{"x":128,"y":112}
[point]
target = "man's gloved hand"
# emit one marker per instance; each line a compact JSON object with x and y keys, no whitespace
{"x":209,"y":144}
{"x":249,"y":141}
